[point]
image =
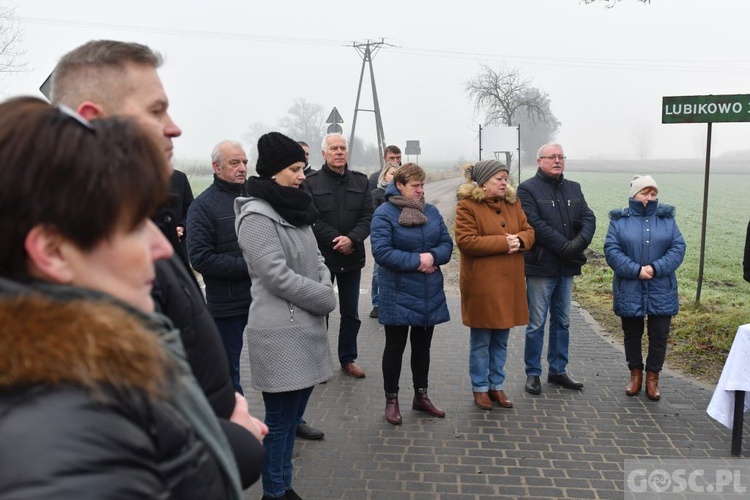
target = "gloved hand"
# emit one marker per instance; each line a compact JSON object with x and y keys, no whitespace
{"x":573,"y":248}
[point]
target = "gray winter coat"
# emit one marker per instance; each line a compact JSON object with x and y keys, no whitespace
{"x":292,"y":293}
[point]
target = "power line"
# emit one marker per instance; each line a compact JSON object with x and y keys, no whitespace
{"x":667,"y":65}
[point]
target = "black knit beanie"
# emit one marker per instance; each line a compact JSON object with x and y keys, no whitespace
{"x":276,"y":152}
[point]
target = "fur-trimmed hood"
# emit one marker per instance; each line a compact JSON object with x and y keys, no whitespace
{"x":470,"y":190}
{"x":81,"y":342}
{"x":636,"y":208}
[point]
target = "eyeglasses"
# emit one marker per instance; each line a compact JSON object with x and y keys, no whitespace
{"x":552,"y":157}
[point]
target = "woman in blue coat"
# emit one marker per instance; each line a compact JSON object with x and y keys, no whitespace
{"x":409,"y":242}
{"x":644,"y":247}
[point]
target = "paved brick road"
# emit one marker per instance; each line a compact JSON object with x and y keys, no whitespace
{"x":560,"y":444}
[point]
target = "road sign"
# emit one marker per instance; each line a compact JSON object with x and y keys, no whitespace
{"x":334,"y":118}
{"x":412,"y":148}
{"x":706,"y":108}
{"x":46,"y":87}
{"x":335,"y":128}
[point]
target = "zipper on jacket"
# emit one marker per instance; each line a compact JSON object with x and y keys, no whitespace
{"x":291,"y":312}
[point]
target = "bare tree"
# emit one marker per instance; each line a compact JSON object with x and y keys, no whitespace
{"x":506,"y":98}
{"x":10,"y":41}
{"x":501,"y":94}
{"x":610,"y":3}
{"x":305,"y":122}
{"x":534,"y":131}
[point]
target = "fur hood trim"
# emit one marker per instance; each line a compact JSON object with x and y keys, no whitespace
{"x":86,"y":343}
{"x":471,"y":191}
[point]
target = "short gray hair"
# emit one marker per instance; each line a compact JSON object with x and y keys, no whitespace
{"x":216,"y":153}
{"x":324,"y":144}
{"x":539,"y":153}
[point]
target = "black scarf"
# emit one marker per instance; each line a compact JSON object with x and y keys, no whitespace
{"x":293,"y":204}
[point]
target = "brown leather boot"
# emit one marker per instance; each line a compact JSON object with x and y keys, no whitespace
{"x":636,"y":382}
{"x":392,"y":412}
{"x":482,"y":401}
{"x":500,"y":398}
{"x":652,"y":386}
{"x":422,"y":403}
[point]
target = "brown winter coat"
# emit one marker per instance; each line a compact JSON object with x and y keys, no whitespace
{"x":493,"y":285}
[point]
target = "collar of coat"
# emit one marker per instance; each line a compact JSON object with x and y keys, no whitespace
{"x":636,"y":208}
{"x":471,"y":191}
{"x":231,"y":187}
{"x":54,"y":339}
{"x":325,"y":168}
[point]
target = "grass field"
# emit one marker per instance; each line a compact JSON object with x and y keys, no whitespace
{"x":702,"y":333}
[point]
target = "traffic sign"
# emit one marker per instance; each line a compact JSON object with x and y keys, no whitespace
{"x":334,"y":118}
{"x":706,"y":108}
{"x":412,"y":148}
{"x":335,"y":129}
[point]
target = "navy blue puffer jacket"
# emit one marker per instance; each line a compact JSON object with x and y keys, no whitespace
{"x":640,"y":236}
{"x":408,"y":296}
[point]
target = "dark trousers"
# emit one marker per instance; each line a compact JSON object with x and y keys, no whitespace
{"x":658,"y":332}
{"x":231,"y":331}
{"x":395,"y":343}
{"x":348,"y":286}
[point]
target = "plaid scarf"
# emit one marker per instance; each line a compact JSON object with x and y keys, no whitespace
{"x":412,"y":211}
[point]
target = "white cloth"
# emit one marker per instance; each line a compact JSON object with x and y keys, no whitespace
{"x":734,"y":377}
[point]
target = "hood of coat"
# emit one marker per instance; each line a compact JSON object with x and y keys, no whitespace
{"x":636,"y":208}
{"x":81,"y":342}
{"x":471,"y":191}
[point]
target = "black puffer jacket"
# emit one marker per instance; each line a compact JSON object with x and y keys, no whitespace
{"x":345,"y":206}
{"x":563,"y":224}
{"x":214,"y":252}
{"x":86,"y":408}
{"x":178,"y":297}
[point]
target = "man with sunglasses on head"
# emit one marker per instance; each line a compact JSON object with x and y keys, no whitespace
{"x":105,"y":78}
{"x":564,"y":226}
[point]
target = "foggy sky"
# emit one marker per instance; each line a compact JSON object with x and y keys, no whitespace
{"x":231,"y":63}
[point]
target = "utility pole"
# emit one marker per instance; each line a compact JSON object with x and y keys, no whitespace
{"x":367,"y":51}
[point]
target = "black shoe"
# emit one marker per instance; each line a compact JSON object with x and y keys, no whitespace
{"x":564,"y":380}
{"x":304,"y":431}
{"x":291,"y":495}
{"x":533,"y":384}
{"x":374,"y":312}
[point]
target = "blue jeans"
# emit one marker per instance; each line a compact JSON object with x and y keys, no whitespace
{"x":545,"y":295}
{"x":375,"y":292}
{"x":348,"y":285}
{"x":283,"y":412}
{"x":232,"y":331}
{"x":487,"y":355}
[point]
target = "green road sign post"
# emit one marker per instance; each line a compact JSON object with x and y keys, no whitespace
{"x":707,"y":109}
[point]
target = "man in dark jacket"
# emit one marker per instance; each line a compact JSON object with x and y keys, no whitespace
{"x":564,"y":226}
{"x":106,"y":77}
{"x":215,"y":253}
{"x":344,"y":201}
{"x":392,"y":154}
{"x":180,"y":198}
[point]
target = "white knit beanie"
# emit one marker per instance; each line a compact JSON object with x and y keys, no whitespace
{"x":640,"y":182}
